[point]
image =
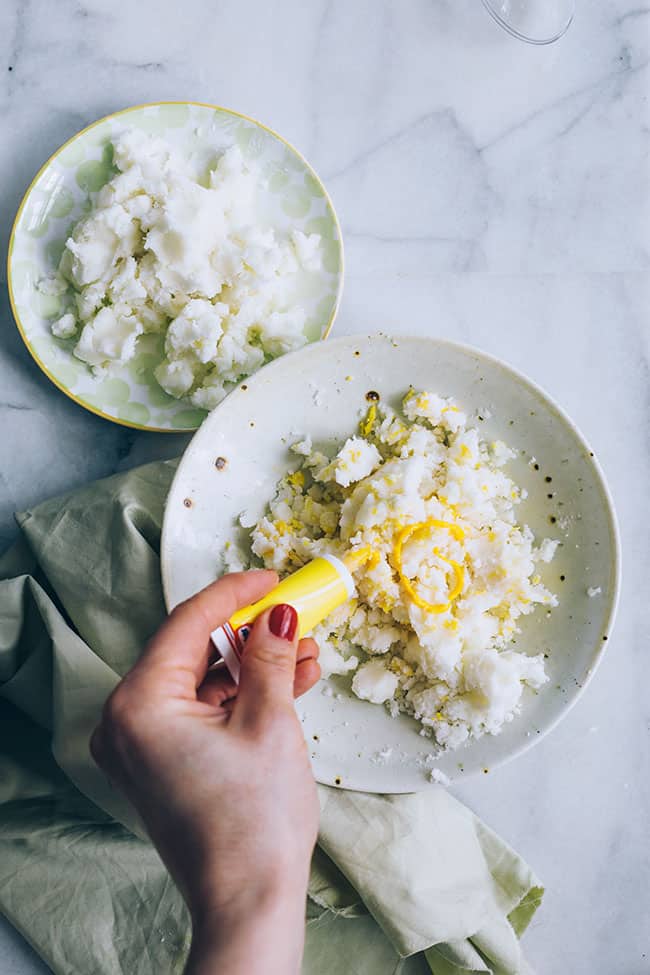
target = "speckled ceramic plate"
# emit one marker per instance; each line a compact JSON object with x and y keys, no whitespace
{"x":568,"y":500}
{"x":293,"y":197}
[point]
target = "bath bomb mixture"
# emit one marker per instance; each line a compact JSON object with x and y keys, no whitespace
{"x":166,"y":250}
{"x":448,"y":574}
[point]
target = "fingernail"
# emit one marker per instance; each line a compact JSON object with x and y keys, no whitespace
{"x":283,"y":621}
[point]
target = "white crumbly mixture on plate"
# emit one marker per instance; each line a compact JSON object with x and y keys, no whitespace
{"x":449,"y":570}
{"x":162,"y":252}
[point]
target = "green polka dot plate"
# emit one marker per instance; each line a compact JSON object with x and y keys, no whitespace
{"x":291,"y":197}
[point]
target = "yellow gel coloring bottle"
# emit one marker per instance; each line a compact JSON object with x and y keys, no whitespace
{"x":314,"y":591}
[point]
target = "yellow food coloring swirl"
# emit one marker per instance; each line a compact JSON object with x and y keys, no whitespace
{"x":367,"y":424}
{"x":355,"y":558}
{"x":419,"y":528}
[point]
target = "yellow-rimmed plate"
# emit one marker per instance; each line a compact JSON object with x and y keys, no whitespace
{"x":292,"y":196}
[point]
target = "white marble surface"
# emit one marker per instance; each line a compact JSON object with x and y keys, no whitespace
{"x":489,"y":192}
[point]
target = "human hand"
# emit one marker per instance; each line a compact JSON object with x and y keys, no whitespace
{"x":221,"y":776}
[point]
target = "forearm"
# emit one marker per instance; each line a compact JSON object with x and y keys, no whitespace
{"x":269,"y":940}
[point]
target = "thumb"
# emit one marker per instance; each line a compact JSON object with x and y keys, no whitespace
{"x":268,"y":664}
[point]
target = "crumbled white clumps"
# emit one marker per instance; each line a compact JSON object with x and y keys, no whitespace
{"x":52,"y":284}
{"x":373,"y":682}
{"x":437,"y":775}
{"x":431,"y":630}
{"x":109,"y":336}
{"x":333,"y":662}
{"x":547,"y":549}
{"x":234,"y":559}
{"x":303,"y":447}
{"x":355,"y":460}
{"x":161,"y":251}
{"x":65,"y":326}
{"x":594,"y":591}
{"x":307,"y":248}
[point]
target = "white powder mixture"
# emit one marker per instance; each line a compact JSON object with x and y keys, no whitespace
{"x":161,"y":251}
{"x":449,"y":573}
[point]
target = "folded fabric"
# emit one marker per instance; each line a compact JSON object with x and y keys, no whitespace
{"x":392,"y":877}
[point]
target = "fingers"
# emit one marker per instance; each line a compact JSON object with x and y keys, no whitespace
{"x":183,"y":642}
{"x":307,"y":674}
{"x":308,"y":649}
{"x":307,"y":668}
{"x":219,"y":687}
{"x":268,"y":666}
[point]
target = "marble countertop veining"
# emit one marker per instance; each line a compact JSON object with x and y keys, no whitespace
{"x":489,"y":192}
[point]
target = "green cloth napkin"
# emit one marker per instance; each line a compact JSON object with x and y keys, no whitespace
{"x":392,"y":877}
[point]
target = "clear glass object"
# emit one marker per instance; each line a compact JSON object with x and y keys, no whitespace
{"x":533,"y":21}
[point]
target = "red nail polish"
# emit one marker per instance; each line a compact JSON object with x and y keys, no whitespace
{"x":283,"y":621}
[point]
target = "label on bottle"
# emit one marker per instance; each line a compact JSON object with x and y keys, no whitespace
{"x":229,"y":641}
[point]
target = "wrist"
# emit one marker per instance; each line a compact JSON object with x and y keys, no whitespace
{"x":234,"y":938}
